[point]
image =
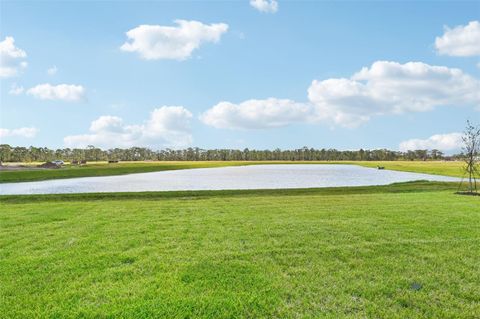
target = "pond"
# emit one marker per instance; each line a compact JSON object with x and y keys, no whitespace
{"x":236,"y":177}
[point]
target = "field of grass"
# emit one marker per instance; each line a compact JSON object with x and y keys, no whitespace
{"x":102,"y":169}
{"x":105,"y":169}
{"x":454,"y":169}
{"x":401,"y":251}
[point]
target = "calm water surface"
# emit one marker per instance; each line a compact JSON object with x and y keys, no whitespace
{"x":238,"y":177}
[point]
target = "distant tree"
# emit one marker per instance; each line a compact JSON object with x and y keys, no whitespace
{"x":91,"y":153}
{"x":5,"y":153}
{"x":471,"y":148}
{"x":436,"y":154}
{"x":421,"y":154}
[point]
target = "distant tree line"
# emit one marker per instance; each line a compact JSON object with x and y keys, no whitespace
{"x":43,"y":154}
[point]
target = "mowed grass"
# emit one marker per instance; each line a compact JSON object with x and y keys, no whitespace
{"x":403,"y":251}
{"x":105,"y":169}
{"x":102,"y":169}
{"x":450,"y":168}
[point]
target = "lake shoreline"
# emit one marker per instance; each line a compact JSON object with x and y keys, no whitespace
{"x":253,"y":177}
{"x":91,"y":169}
{"x":405,"y":187}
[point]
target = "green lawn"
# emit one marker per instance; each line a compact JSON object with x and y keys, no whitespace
{"x":454,"y":169}
{"x":102,"y":169}
{"x":403,"y":251}
{"x":105,"y":169}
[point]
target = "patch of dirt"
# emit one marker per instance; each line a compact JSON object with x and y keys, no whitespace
{"x":48,"y":165}
{"x":468,"y":193}
{"x":15,"y":167}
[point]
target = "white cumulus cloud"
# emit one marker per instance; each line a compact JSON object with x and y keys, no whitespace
{"x":383,"y":88}
{"x":27,"y":132}
{"x":12,"y":59}
{"x":153,"y":42}
{"x":460,"y":41}
{"x":392,"y":88}
{"x":257,"y":114}
{"x":167,"y":126}
{"x":442,"y":142}
{"x":63,"y":92}
{"x":269,"y":6}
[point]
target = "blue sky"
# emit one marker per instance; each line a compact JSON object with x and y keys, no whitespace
{"x":239,"y":77}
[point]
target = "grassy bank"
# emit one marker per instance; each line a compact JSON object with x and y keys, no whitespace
{"x":105,"y":169}
{"x":102,"y":169}
{"x":454,"y":169}
{"x":403,"y":251}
